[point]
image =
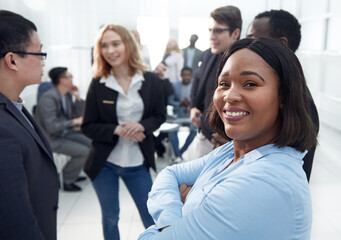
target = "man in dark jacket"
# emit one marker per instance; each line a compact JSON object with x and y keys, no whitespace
{"x":226,"y":23}
{"x":28,"y":176}
{"x":282,"y":25}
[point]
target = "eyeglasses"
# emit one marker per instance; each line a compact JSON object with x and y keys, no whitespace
{"x":215,"y":31}
{"x":67,"y":76}
{"x":42,"y":54}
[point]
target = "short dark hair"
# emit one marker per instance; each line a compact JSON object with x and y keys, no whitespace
{"x":15,"y":32}
{"x":283,"y":24}
{"x":228,"y":15}
{"x":297,"y":129}
{"x":186,"y":69}
{"x":56,"y":73}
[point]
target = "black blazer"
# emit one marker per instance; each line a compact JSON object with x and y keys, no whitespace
{"x":100,"y":121}
{"x":28,"y":178}
{"x":203,"y":87}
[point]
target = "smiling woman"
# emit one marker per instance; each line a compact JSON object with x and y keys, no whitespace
{"x":263,"y":79}
{"x":120,"y":116}
{"x":253,"y":187}
{"x":247,"y":96}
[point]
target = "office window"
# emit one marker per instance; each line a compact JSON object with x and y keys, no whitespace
{"x":199,"y":26}
{"x":313,"y":35}
{"x":154,"y":32}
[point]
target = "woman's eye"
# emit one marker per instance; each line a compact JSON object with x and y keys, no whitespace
{"x":116,"y":44}
{"x":223,"y":84}
{"x":250,"y":84}
{"x":104,"y":46}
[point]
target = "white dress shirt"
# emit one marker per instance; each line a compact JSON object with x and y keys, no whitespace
{"x":129,"y":107}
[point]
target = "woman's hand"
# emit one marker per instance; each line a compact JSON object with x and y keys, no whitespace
{"x":132,"y":130}
{"x":184,"y":190}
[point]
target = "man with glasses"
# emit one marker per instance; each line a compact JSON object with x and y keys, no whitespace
{"x":28,"y":176}
{"x":59,"y":113}
{"x":226,"y":23}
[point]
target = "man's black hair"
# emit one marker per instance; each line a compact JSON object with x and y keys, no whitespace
{"x":186,"y":69}
{"x":283,"y":24}
{"x":56,"y":73}
{"x":15,"y":32}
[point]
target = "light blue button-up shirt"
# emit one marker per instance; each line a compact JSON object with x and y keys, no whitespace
{"x":265,"y":195}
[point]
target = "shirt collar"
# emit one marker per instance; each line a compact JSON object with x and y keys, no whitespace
{"x":270,"y":149}
{"x":112,"y":83}
{"x":19,"y":105}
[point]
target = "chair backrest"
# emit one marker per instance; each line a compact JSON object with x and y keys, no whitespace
{"x":43,"y":87}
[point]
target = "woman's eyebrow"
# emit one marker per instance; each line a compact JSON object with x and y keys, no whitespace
{"x":251,"y":73}
{"x":224,"y":74}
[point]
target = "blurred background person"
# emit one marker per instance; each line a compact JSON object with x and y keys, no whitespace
{"x":142,"y":48}
{"x":123,"y":108}
{"x":225,"y":28}
{"x":174,"y":60}
{"x":192,"y":55}
{"x":59,"y":113}
{"x":180,"y":101}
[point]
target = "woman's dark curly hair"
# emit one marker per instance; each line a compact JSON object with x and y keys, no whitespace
{"x":296,"y":127}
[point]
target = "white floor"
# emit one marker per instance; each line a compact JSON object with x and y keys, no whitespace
{"x":79,"y":214}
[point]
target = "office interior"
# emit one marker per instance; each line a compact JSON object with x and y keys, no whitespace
{"x":67,"y":29}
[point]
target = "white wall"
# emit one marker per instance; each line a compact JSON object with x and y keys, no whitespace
{"x":68,"y":28}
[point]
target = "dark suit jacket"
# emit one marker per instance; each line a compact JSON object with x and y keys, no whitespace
{"x":28,"y":178}
{"x":196,"y":58}
{"x":203,"y":87}
{"x":100,"y":121}
{"x":51,"y":116}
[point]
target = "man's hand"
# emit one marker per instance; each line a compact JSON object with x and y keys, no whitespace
{"x":184,"y":190}
{"x":161,"y":70}
{"x":195,"y":115}
{"x":77,"y":121}
{"x":185,"y":102}
{"x":75,"y":92}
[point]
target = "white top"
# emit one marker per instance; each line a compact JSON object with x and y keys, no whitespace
{"x":20,"y":105}
{"x":175,"y":62}
{"x":190,"y":56}
{"x":129,"y":107}
{"x":145,"y":56}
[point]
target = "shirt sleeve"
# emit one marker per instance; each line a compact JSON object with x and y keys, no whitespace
{"x":164,"y":203}
{"x":48,"y":111}
{"x":237,"y":208}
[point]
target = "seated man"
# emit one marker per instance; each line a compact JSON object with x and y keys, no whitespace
{"x":180,"y":100}
{"x":60,"y":117}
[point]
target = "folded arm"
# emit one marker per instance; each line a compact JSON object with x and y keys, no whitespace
{"x":236,"y":208}
{"x":164,"y":203}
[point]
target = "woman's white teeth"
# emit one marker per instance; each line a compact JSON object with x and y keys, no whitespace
{"x":236,"y":114}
